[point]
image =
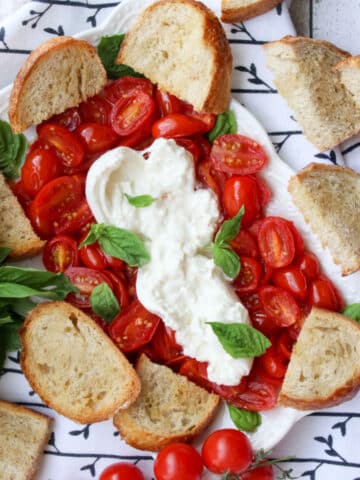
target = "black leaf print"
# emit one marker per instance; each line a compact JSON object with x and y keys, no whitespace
{"x":84,"y":432}
{"x":92,"y":18}
{"x":253,"y":69}
{"x":255,"y":81}
{"x":52,"y":439}
{"x":242,"y":69}
{"x":36,"y":17}
{"x":241,"y":28}
{"x":2,"y":37}
{"x":116,"y":434}
{"x":15,"y":359}
{"x":330,"y":440}
{"x":52,"y":31}
{"x":331,"y":156}
{"x":341,"y":426}
{"x":279,"y":9}
{"x":321,"y":440}
{"x":90,"y":467}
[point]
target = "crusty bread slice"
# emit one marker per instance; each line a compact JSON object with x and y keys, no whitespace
{"x":73,"y":365}
{"x":324,"y":368}
{"x":181,"y":46}
{"x":304,"y":75}
{"x":16,"y":231}
{"x":240,"y":10}
{"x":349,"y":71}
{"x":23,"y":436}
{"x":329,"y":198}
{"x":59,"y":74}
{"x":169,"y":409}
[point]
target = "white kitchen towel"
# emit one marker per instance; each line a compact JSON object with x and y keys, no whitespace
{"x":324,"y":443}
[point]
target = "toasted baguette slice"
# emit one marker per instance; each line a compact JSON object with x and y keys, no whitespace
{"x":239,"y":10}
{"x":181,"y":46}
{"x":304,"y":75}
{"x":16,"y":231}
{"x":324,"y":368}
{"x":169,"y":409}
{"x":349,"y":71}
{"x":59,"y":74}
{"x":329,"y":198}
{"x":73,"y":365}
{"x":23,"y":436}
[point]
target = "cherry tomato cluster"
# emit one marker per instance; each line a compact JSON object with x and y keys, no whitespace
{"x":279,"y":280}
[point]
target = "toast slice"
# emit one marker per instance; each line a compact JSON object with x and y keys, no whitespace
{"x":304,"y":75}
{"x":23,"y":436}
{"x":349,"y":70}
{"x":324,"y":368}
{"x":169,"y":409}
{"x":59,"y":74}
{"x":73,"y":365}
{"x":16,"y":231}
{"x":181,"y":46}
{"x":240,"y":10}
{"x":329,"y":198}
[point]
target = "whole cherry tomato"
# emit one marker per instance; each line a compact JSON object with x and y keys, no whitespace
{"x":273,"y":363}
{"x":176,"y":461}
{"x":132,"y":112}
{"x":309,"y":265}
{"x":323,"y":294}
{"x":168,"y":103}
{"x":95,"y":109}
{"x":85,"y":279}
{"x":291,"y":279}
{"x":92,"y":256}
{"x":249,"y":277}
{"x":242,"y":191}
{"x":60,"y":253}
{"x":227,"y":450}
{"x":259,"y":473}
{"x":122,"y":471}
{"x":276,"y":242}
{"x":279,"y":305}
{"x":41,"y":166}
{"x":67,"y":144}
{"x":177,"y":125}
{"x":97,"y":137}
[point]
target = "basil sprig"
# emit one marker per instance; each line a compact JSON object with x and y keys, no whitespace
{"x":108,"y":50}
{"x":244,"y":420}
{"x":352,"y":311}
{"x":240,"y":340}
{"x":140,"y":201}
{"x":119,"y":243}
{"x":225,"y":123}
{"x":104,"y":302}
{"x":12,"y":151}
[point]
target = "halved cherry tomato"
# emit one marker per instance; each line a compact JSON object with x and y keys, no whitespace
{"x":244,"y":244}
{"x":177,"y":125}
{"x":291,"y":279}
{"x":251,"y":302}
{"x":133,"y":327}
{"x":273,"y":363}
{"x":85,"y":279}
{"x":178,"y":460}
{"x":119,"y":288}
{"x":163,"y":347}
{"x":286,"y":342}
{"x":276,"y":242}
{"x":70,"y":119}
{"x":204,"y":147}
{"x":208,"y":119}
{"x":242,"y":191}
{"x":237,"y":154}
{"x":132,"y":112}
{"x":60,"y":253}
{"x":168,"y":103}
{"x":264,"y":191}
{"x":309,"y":265}
{"x":258,"y":396}
{"x":124,"y":86}
{"x":279,"y":305}
{"x":261,"y":321}
{"x":190,"y":146}
{"x":92,"y":256}
{"x":20,"y":193}
{"x":41,"y":166}
{"x":323,"y":294}
{"x":60,"y":207}
{"x":95,"y":109}
{"x":210,"y":178}
{"x":96,"y":137}
{"x":67,"y":145}
{"x":249,"y":277}
{"x":298,"y":240}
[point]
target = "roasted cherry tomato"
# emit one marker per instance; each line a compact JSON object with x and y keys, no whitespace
{"x":190,"y":146}
{"x":168,"y":103}
{"x":276,"y":242}
{"x":279,"y":305}
{"x":309,"y":265}
{"x":96,"y":137}
{"x":132,"y":112}
{"x":286,"y":342}
{"x":95,"y":109}
{"x":259,"y":395}
{"x":177,"y":125}
{"x":260,"y":473}
{"x":204,"y":147}
{"x":70,"y":119}
{"x":291,"y":279}
{"x":60,"y":253}
{"x":210,"y":178}
{"x":67,"y":145}
{"x":264,"y":191}
{"x":249,"y":277}
{"x":237,"y":154}
{"x":176,"y":461}
{"x":133,"y":327}
{"x":85,"y":279}
{"x":122,"y":471}
{"x":163,"y":347}
{"x":124,"y":86}
{"x":208,"y":119}
{"x":323,"y":294}
{"x":92,"y":256}
{"x":263,"y":322}
{"x":242,"y":191}
{"x":41,"y":166}
{"x":273,"y":363}
{"x":245,"y":244}
{"x":20,"y":193}
{"x":119,"y":288}
{"x":227,"y":451}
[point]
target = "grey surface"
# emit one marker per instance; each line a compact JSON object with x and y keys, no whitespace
{"x":300,"y":11}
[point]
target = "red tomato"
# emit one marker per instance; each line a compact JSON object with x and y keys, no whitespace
{"x":126,"y":86}
{"x":92,"y":256}
{"x":291,"y":279}
{"x":60,"y":207}
{"x":208,"y":119}
{"x":264,"y":191}
{"x":168,"y":103}
{"x":259,"y":395}
{"x":96,"y":137}
{"x":190,"y":146}
{"x":138,"y":140}
{"x":118,"y":288}
{"x":323,"y":294}
{"x":132,"y":112}
{"x":176,"y":461}
{"x":227,"y":450}
{"x":242,"y":191}
{"x":251,"y":302}
{"x":244,"y":244}
{"x":41,"y":166}
{"x":259,"y":473}
{"x":298,"y":240}
{"x":276,"y":242}
{"x":163,"y":347}
{"x":210,"y":178}
{"x":85,"y":279}
{"x":60,"y":253}
{"x":122,"y":471}
{"x":177,"y":125}
{"x":67,"y":145}
{"x":309,"y":265}
{"x":273,"y":363}
{"x":70,"y":119}
{"x":279,"y":305}
{"x":133,"y":327}
{"x":263,"y":322}
{"x":286,"y":342}
{"x":19,"y":191}
{"x":95,"y":109}
{"x":237,"y":154}
{"x":249,"y":277}
{"x":204,"y":147}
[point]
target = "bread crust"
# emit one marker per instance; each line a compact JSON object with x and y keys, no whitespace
{"x":241,"y":13}
{"x":82,"y":417}
{"x":348,"y":62}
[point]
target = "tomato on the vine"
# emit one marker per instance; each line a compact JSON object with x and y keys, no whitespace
{"x":242,"y":191}
{"x":178,"y":460}
{"x":122,"y":471}
{"x":60,"y":253}
{"x":41,"y":166}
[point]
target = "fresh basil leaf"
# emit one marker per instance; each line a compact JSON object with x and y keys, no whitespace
{"x":12,"y":150}
{"x":225,"y":258}
{"x":352,"y":311}
{"x":5,"y":318}
{"x":104,"y":302}
{"x":22,"y":306}
{"x":240,"y":340}
{"x":225,"y":123}
{"x":244,"y":420}
{"x":108,"y":50}
{"x":4,"y":252}
{"x":10,"y":334}
{"x":140,"y":201}
{"x":230,"y":228}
